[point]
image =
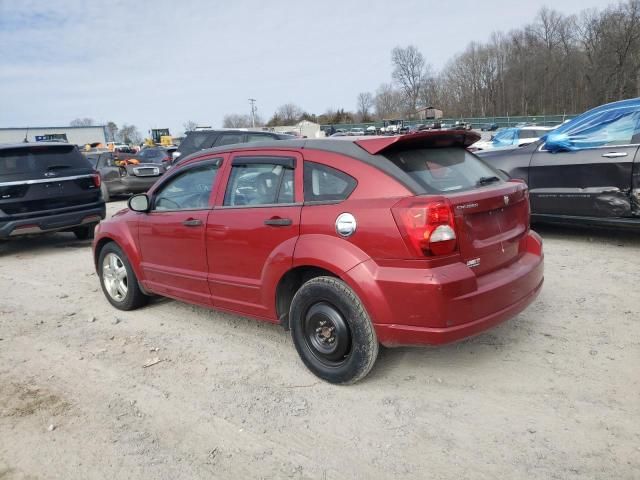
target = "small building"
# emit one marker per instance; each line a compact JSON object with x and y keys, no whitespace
{"x":304,"y":128}
{"x":76,"y":135}
{"x":428,"y":113}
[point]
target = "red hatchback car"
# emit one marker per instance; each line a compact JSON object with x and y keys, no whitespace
{"x":349,"y":243}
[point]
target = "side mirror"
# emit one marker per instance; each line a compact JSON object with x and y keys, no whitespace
{"x":139,"y":203}
{"x":175,"y":155}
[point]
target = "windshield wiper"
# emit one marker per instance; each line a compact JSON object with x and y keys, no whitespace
{"x":487,"y":180}
{"x":54,"y":167}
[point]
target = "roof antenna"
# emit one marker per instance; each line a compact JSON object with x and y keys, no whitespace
{"x":26,"y":140}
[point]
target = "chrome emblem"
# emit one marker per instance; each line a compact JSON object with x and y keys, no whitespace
{"x":506,"y":199}
{"x":475,"y":262}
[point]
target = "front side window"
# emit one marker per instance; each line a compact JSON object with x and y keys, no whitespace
{"x":260,"y":184}
{"x":325,"y":184}
{"x":190,"y":190}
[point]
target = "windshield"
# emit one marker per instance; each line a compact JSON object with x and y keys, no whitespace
{"x":41,"y":159}
{"x":441,"y":170}
{"x":152,"y":155}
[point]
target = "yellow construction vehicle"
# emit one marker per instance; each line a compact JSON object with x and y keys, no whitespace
{"x":160,"y":137}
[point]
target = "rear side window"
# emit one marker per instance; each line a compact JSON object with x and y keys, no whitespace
{"x":441,"y":170}
{"x":325,"y":184}
{"x":229,"y":139}
{"x":257,"y":137}
{"x":40,"y":159}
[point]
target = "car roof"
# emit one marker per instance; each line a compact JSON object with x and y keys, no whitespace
{"x":363,"y":148}
{"x":35,"y":144}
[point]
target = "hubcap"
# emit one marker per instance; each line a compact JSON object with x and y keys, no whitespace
{"x":327,"y":334}
{"x":114,"y":277}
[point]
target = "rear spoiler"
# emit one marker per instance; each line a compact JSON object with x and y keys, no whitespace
{"x":424,"y":139}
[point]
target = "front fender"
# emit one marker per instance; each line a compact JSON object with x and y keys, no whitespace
{"x":124,"y":234}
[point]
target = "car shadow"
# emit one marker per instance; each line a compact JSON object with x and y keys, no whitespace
{"x":41,"y":244}
{"x":588,"y":234}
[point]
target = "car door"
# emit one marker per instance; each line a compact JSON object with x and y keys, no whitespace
{"x":593,"y":178}
{"x":109,"y":171}
{"x":251,"y":234}
{"x":172,"y":234}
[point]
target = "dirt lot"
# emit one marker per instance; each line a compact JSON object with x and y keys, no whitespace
{"x":554,"y":393}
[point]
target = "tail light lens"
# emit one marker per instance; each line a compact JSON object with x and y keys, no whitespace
{"x":96,"y":179}
{"x":428,"y":226}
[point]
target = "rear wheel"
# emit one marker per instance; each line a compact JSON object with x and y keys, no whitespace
{"x":118,"y":280}
{"x":332,"y":331}
{"x":105,"y":192}
{"x":85,"y":232}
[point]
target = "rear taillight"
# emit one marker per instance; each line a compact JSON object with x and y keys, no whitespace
{"x":96,"y":179}
{"x":428,"y":226}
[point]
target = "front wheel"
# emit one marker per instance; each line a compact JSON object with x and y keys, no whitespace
{"x":118,"y":280}
{"x":332,"y":332}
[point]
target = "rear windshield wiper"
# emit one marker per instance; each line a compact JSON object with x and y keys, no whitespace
{"x":487,"y":180}
{"x":54,"y":167}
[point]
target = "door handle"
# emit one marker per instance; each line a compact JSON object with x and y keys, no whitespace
{"x":614,"y":154}
{"x":192,"y":222}
{"x":278,"y":222}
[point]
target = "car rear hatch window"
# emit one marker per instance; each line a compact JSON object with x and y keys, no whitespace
{"x":443,"y":170}
{"x":43,"y":178}
{"x":491,"y":213}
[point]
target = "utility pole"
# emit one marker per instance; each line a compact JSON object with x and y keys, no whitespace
{"x":252,"y":101}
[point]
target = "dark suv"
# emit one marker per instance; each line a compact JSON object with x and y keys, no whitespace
{"x":202,"y":139}
{"x":48,"y":187}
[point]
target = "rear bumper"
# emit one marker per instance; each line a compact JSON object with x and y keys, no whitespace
{"x":52,"y":223}
{"x":418,"y":306}
{"x":396,"y":335}
{"x":132,"y":185}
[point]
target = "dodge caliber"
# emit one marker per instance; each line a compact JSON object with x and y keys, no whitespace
{"x":348,"y":243}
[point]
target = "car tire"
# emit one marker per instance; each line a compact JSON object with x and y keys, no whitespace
{"x":332,"y":331}
{"x":105,"y":192}
{"x":118,"y":280}
{"x":85,"y":232}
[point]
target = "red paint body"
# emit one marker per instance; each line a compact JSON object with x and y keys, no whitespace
{"x":234,"y":261}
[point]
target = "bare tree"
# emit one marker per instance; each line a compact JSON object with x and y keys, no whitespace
{"x":408,"y":72}
{"x":236,"y":120}
{"x":129,"y":134}
{"x":82,"y":122}
{"x":112,"y":131}
{"x":387,"y":102}
{"x":289,"y":113}
{"x":189,"y":125}
{"x":365,"y":104}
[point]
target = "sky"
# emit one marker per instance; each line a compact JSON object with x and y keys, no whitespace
{"x":160,"y":63}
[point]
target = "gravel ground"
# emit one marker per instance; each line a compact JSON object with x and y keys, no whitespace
{"x":554,"y":393}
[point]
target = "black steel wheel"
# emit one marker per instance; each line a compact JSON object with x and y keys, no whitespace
{"x":332,"y":332}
